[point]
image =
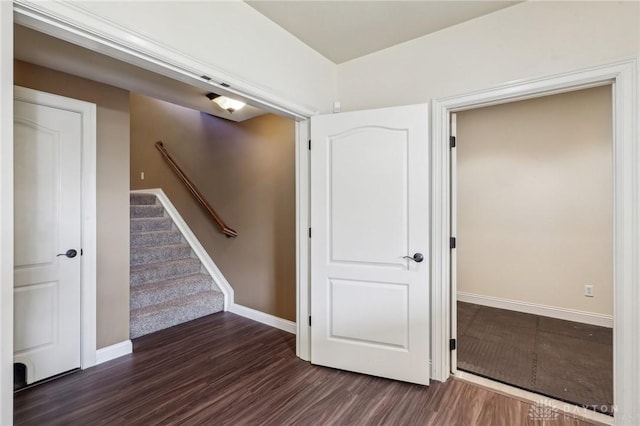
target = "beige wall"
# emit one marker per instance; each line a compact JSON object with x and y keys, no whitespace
{"x":527,"y":40}
{"x":112,"y":190}
{"x":535,"y":200}
{"x":247,"y":172}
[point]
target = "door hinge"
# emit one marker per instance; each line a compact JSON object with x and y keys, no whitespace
{"x":309,"y":144}
{"x":452,"y":141}
{"x":81,"y":252}
{"x":309,"y":232}
{"x":309,"y":320}
{"x":452,"y":344}
{"x":452,"y":243}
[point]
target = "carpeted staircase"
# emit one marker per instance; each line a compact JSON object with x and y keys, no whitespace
{"x":169,"y":285}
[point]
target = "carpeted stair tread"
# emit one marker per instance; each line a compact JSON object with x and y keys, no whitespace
{"x":155,"y":238}
{"x":153,"y":210}
{"x":141,"y":199}
{"x":155,"y":272}
{"x":148,"y":294}
{"x":145,"y":224}
{"x":168,"y":284}
{"x":157,"y":317}
{"x":156,"y":254}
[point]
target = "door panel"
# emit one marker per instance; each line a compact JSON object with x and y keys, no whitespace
{"x":35,"y":306}
{"x":389,"y":327}
{"x":369,"y":209}
{"x":363,"y":195}
{"x":47,"y":167}
{"x":38,"y":212}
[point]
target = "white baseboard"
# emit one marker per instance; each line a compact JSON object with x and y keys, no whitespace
{"x":536,"y":309}
{"x":282,"y":324}
{"x":208,"y":263}
{"x":114,"y":351}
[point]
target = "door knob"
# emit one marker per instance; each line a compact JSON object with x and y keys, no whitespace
{"x":418,"y":257}
{"x":70,"y":253}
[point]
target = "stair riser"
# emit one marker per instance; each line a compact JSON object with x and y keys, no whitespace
{"x":141,"y":199}
{"x":143,"y":256}
{"x":150,"y":224}
{"x":146,"y":211}
{"x":154,"y":239}
{"x":164,"y":272}
{"x":142,"y":299}
{"x":164,"y":319}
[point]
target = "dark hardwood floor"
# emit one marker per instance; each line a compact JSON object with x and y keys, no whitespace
{"x":228,"y":370}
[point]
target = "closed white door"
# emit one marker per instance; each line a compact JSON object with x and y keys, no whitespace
{"x":370,"y":242}
{"x":47,"y":164}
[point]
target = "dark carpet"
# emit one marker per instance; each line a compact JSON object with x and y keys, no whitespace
{"x":566,"y":360}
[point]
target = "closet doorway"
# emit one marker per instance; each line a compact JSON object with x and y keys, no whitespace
{"x":532,"y":212}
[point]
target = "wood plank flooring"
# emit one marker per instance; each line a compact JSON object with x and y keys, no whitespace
{"x":227,"y":370}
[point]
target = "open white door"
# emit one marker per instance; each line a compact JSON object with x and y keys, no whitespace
{"x":47,"y":165}
{"x":370,"y":242}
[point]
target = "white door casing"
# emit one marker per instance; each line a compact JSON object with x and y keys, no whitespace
{"x":369,"y":209}
{"x":47,"y":182}
{"x":453,"y":225}
{"x":6,"y":213}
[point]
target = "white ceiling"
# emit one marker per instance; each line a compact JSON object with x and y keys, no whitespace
{"x":344,"y":30}
{"x":40,"y":49}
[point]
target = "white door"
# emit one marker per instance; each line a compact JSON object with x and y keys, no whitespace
{"x":369,"y":219}
{"x":47,"y":167}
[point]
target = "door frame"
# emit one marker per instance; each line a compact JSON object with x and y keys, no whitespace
{"x":623,"y":77}
{"x":88,"y":258}
{"x":6,"y":213}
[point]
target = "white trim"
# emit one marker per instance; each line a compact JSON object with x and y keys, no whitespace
{"x":200,"y":252}
{"x":303,"y":311}
{"x":114,"y":351}
{"x":6,"y":213}
{"x":624,"y":79}
{"x":273,"y":321}
{"x":532,"y":398}
{"x":584,"y":317}
{"x":71,"y":22}
{"x":88,"y":260}
{"x":453,"y":329}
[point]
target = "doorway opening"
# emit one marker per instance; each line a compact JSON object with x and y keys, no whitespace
{"x":243,"y":145}
{"x":532,"y":213}
{"x":621,"y":77}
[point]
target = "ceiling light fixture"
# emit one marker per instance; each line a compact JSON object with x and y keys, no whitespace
{"x":228,"y":104}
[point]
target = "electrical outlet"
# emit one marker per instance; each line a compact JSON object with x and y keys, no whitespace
{"x":588,"y":290}
{"x":141,"y":175}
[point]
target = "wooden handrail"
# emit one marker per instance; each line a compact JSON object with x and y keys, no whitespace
{"x":196,"y":193}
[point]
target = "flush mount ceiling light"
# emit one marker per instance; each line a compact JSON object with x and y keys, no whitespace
{"x":228,"y":104}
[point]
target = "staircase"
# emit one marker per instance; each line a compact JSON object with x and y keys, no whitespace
{"x":169,"y":285}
